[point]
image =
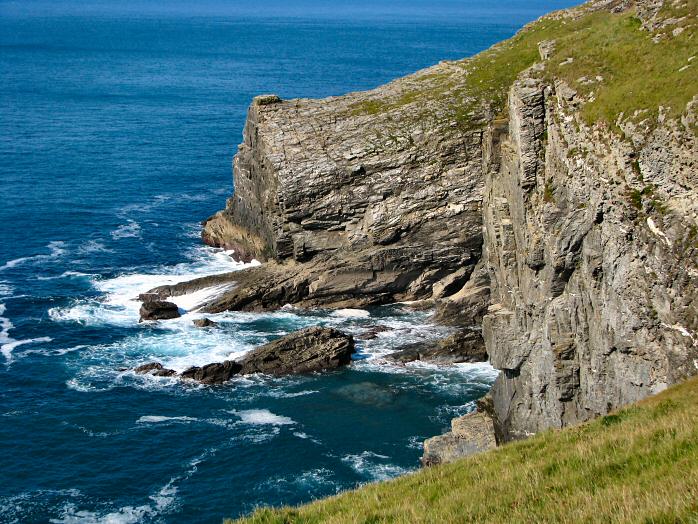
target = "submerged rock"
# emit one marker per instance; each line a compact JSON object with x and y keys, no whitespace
{"x":464,"y":346}
{"x":215,"y":373}
{"x":154,"y":368}
{"x":204,"y":323}
{"x":311,"y":349}
{"x":368,"y":393}
{"x":472,"y":433}
{"x":154,"y":309}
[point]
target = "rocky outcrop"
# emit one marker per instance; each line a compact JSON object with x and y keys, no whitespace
{"x":305,"y":351}
{"x":153,"y":309}
{"x":464,"y":346}
{"x":154,"y":368}
{"x":472,"y":433}
{"x":215,"y":373}
{"x":352,"y":204}
{"x":468,"y":305}
{"x":204,"y":323}
{"x":373,"y":332}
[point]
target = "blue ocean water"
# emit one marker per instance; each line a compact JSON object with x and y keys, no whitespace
{"x":118,"y":123}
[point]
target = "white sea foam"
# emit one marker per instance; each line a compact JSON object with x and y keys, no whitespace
{"x":164,"y":501}
{"x":351,"y":313}
{"x":15,"y":508}
{"x":6,"y":289}
{"x":155,"y":419}
{"x":65,"y":274}
{"x":260,"y":417}
{"x":129,"y":230}
{"x":6,"y":349}
{"x":373,"y":466}
{"x":416,"y":442}
{"x":307,"y":481}
{"x":56,"y":250}
{"x":305,"y":436}
{"x":93,"y":246}
{"x":118,"y":305}
{"x":7,"y":343}
{"x":283,"y":394}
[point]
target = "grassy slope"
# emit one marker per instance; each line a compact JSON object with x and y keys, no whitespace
{"x":639,"y":464}
{"x":637,"y":73}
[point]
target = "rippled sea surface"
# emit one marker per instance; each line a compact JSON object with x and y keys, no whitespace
{"x":118,"y":123}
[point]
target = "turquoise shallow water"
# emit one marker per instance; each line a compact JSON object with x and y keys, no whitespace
{"x":118,"y":123}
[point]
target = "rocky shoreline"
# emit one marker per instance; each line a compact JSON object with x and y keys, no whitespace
{"x":572,"y":245}
{"x":305,"y":351}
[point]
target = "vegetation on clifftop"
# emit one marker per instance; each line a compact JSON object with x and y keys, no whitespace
{"x":619,"y":67}
{"x":639,"y":464}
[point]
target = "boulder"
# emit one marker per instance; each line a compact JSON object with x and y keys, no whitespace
{"x":304,"y":351}
{"x":154,"y":309}
{"x":470,"y":434}
{"x":215,"y":373}
{"x":204,"y":323}
{"x":154,"y":368}
{"x":464,"y":346}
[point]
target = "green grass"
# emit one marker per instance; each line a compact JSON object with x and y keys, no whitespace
{"x":637,"y":74}
{"x":639,"y":464}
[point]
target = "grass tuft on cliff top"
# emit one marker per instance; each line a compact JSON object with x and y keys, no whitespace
{"x":621,"y":68}
{"x":639,"y":464}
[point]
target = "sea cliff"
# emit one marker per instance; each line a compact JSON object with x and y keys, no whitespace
{"x":545,"y":190}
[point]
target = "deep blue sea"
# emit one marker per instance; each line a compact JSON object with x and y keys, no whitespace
{"x":118,"y":124}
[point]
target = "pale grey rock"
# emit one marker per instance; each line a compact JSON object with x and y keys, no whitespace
{"x":593,"y":297}
{"x":470,"y":434}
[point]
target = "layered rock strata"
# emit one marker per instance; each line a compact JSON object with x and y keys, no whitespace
{"x":353,"y":205}
{"x":585,"y":277}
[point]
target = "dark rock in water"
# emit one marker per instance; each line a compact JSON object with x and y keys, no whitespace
{"x":151,"y":296}
{"x":147,"y":368}
{"x":372,"y":332}
{"x":155,"y":368}
{"x":368,"y":393}
{"x":204,"y":323}
{"x":311,"y":349}
{"x":159,"y":310}
{"x":215,"y":373}
{"x":472,"y":433}
{"x":165,"y":372}
{"x":464,"y":346}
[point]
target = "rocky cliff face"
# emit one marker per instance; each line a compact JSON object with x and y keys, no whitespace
{"x":352,"y":204}
{"x":581,"y":170}
{"x":593,"y":287}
